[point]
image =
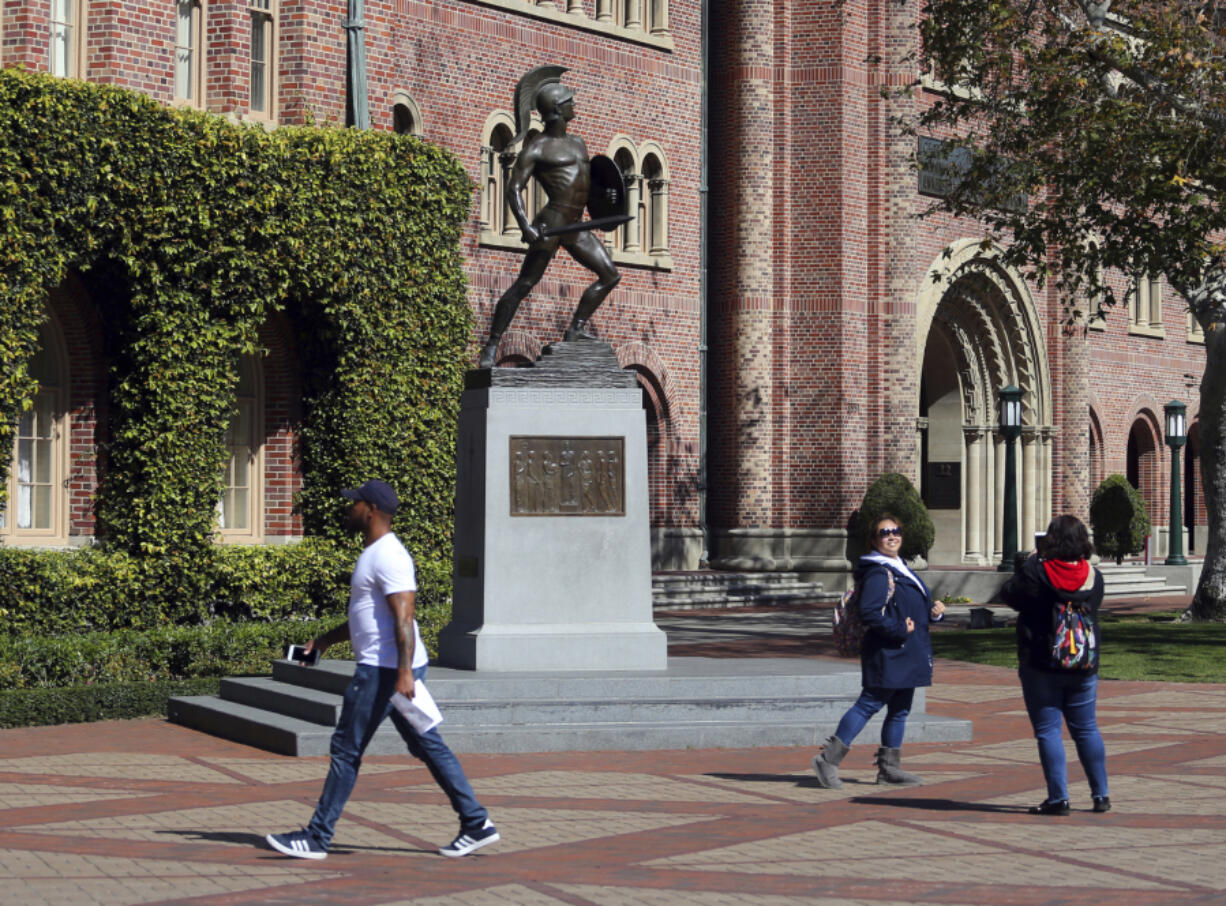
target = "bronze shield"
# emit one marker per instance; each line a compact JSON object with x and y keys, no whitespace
{"x":606,"y":195}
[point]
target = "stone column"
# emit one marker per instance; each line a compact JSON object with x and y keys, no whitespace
{"x":998,"y":516}
{"x":634,"y":189}
{"x":489,"y":186}
{"x":973,"y":501}
{"x":658,"y":228}
{"x":1045,"y":477}
{"x":604,"y":10}
{"x":659,"y":16}
{"x":1029,"y":491}
{"x":634,"y":14}
{"x":988,"y":503}
{"x":509,"y":226}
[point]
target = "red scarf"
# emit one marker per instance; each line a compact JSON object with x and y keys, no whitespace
{"x":1065,"y":576}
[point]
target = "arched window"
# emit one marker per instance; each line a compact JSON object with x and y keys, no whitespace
{"x":498,"y":224}
{"x":36,"y":509}
{"x":238,"y":511}
{"x":499,"y":159}
{"x":654,"y":207}
{"x":406,"y":116}
{"x":626,"y":236}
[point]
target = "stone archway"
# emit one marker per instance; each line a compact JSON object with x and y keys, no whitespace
{"x":979,"y":331}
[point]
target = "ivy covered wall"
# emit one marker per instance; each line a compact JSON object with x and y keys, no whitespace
{"x":198,"y":230}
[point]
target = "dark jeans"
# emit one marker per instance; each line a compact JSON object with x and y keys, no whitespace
{"x":1069,"y":697}
{"x":897,"y":703}
{"x":368,"y":701}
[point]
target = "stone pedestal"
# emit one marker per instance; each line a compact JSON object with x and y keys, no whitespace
{"x":553,"y":549}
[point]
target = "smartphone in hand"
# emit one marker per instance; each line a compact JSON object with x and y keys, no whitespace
{"x":299,"y":654}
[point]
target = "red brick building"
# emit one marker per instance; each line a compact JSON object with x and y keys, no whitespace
{"x":842,"y":342}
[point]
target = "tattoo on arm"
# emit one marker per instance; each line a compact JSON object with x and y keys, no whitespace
{"x":403,"y":605}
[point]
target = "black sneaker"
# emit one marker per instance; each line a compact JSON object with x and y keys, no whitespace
{"x":1050,"y":807}
{"x":298,"y":844}
{"x":471,"y":841}
{"x":1102,"y":803}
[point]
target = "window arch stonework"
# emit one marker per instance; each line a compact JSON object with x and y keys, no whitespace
{"x":406,"y":115}
{"x":497,"y":224}
{"x":643,"y":241}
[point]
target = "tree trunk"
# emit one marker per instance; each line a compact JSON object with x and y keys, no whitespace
{"x":1209,"y":305}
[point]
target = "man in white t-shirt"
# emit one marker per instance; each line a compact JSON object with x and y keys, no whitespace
{"x":390,"y":658}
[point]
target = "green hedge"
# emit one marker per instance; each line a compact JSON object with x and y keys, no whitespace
{"x":190,"y":232}
{"x":79,"y":704}
{"x":172,"y":653}
{"x":49,"y":593}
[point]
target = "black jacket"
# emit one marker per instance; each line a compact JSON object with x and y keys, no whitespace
{"x":1035,"y":599}
{"x":891,"y":657}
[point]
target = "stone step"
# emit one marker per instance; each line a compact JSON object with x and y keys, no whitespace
{"x":324,"y":708}
{"x":289,"y":736}
{"x":712,"y":588}
{"x":686,"y":678}
{"x":1151,"y":588}
{"x":704,"y":702}
{"x":708,"y":577}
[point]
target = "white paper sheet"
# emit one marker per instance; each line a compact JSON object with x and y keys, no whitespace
{"x":420,"y":710}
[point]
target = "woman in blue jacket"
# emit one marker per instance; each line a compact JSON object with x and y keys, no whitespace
{"x":895,"y":655}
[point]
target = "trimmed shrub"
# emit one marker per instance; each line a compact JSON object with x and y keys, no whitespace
{"x":174,"y":652}
{"x":1118,"y":518}
{"x":110,"y":701}
{"x":894,"y":493}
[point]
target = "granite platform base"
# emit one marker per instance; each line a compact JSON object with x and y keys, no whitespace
{"x":694,"y":703}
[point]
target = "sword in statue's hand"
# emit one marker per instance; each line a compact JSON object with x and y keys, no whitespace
{"x":596,"y":223}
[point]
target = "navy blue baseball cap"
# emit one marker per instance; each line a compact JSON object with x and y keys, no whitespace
{"x":378,"y":494}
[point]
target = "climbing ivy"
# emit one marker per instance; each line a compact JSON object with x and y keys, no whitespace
{"x":190,"y":232}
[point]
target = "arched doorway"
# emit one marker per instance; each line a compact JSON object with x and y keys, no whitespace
{"x":978,"y":334}
{"x":1142,"y":465}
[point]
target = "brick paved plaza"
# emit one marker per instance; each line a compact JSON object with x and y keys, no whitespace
{"x":146,"y":812}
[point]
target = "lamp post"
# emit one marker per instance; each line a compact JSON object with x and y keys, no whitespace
{"x":1011,"y":429}
{"x":1176,"y":436}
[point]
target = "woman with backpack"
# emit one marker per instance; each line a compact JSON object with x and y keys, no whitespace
{"x":895,"y":607}
{"x":1056,"y":594}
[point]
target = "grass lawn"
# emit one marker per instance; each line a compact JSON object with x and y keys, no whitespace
{"x":1148,"y":647}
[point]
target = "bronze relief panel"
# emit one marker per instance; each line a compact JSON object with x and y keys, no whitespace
{"x":568,"y":476}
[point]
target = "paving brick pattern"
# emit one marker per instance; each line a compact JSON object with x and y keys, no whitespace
{"x":135,"y":812}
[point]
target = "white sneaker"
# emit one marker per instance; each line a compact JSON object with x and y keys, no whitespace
{"x":471,"y":841}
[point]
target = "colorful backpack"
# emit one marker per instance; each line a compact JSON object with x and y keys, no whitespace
{"x":849,"y":629}
{"x":1074,"y":639}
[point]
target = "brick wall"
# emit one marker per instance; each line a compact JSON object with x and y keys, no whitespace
{"x":816,"y":257}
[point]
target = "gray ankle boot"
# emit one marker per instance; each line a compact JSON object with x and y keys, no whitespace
{"x":826,"y":763}
{"x":888,"y":770}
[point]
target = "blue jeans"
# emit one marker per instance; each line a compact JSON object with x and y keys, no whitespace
{"x":1069,"y":697}
{"x":897,"y":703}
{"x":368,"y":701}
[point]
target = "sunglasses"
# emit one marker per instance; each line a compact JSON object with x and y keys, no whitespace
{"x":887,"y":532}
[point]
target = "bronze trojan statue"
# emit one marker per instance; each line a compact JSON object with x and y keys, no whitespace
{"x":571,"y":182}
